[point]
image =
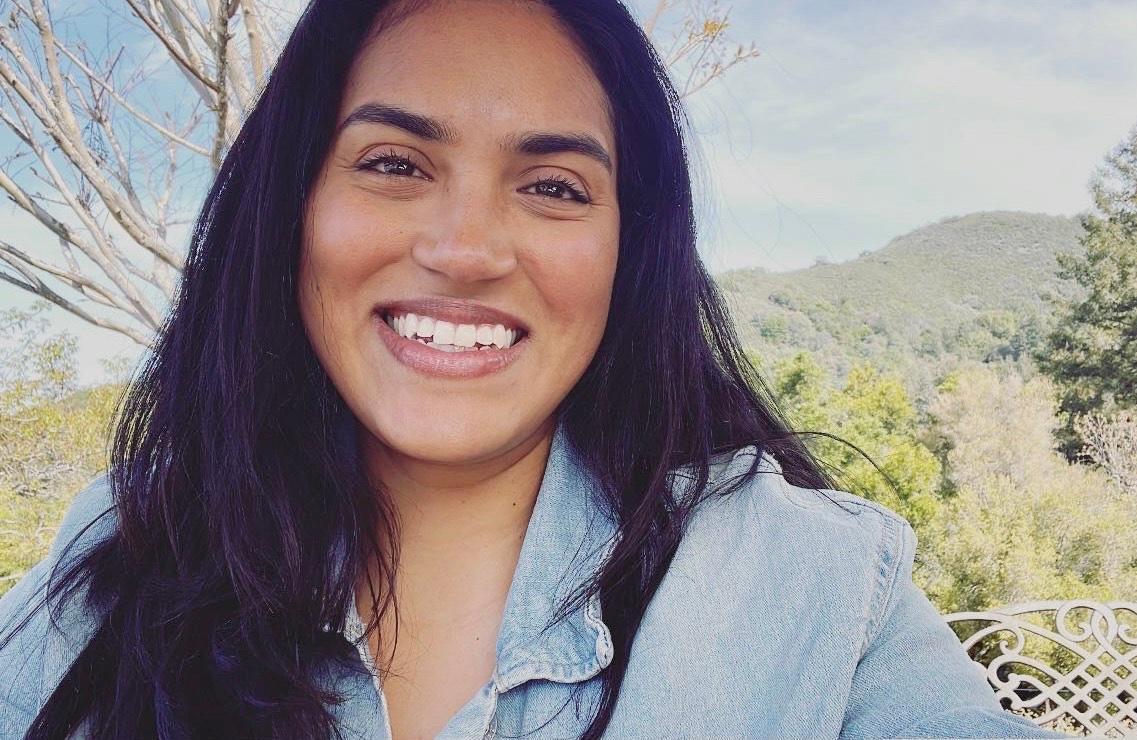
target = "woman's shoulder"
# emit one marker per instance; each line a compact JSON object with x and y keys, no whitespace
{"x":37,"y":647}
{"x":798,"y":606}
{"x":801,"y":554}
{"x":765,"y":509}
{"x":89,"y":518}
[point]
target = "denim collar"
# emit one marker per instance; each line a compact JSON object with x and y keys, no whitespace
{"x":566,"y":542}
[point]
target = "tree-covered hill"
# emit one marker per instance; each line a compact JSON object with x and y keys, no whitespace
{"x":968,"y":287}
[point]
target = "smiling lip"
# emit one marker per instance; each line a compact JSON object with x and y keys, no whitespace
{"x":437,"y":363}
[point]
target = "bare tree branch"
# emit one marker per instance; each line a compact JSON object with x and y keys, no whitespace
{"x":75,"y":279}
{"x":194,"y":71}
{"x":132,"y":110}
{"x":718,"y":69}
{"x":58,"y":120}
{"x":221,"y":49}
{"x":102,"y":251}
{"x":256,"y":41}
{"x":703,"y":37}
{"x":31,"y":283}
{"x":660,"y":7}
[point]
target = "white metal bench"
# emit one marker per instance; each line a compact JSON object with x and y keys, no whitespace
{"x":1069,"y":665}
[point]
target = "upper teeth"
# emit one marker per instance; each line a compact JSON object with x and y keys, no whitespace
{"x":445,"y":334}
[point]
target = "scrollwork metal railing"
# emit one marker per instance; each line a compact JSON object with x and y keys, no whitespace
{"x":1070,"y":665}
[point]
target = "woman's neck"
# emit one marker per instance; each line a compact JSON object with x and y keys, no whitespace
{"x":460,"y":528}
{"x":447,"y":508}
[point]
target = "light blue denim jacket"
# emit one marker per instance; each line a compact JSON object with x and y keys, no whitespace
{"x":786,"y":612}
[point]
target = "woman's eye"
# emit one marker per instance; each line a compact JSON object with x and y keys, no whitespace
{"x":389,"y":164}
{"x":558,"y":189}
{"x":394,"y":165}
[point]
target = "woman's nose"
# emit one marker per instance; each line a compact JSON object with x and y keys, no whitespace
{"x":468,"y":241}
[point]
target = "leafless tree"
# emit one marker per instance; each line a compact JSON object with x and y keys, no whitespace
{"x":1111,"y":442}
{"x":98,"y":150}
{"x":112,"y":145}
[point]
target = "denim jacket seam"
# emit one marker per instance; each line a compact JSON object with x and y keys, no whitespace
{"x":844,"y":498}
{"x":593,"y":619}
{"x":492,"y":719}
{"x":543,"y":660}
{"x":890,"y":554}
{"x":533,"y":668}
{"x":545,"y":670}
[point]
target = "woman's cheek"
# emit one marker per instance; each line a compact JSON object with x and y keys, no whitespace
{"x":354,"y":239}
{"x":576,"y":277}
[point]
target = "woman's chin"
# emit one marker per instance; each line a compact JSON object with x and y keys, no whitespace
{"x":452,"y":440}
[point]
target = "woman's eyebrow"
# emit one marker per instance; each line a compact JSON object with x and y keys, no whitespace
{"x":425,"y":127}
{"x":536,"y":142}
{"x":415,"y":124}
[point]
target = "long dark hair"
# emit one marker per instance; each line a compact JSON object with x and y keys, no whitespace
{"x":243,"y":516}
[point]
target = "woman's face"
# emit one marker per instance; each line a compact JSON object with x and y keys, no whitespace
{"x":472,"y":183}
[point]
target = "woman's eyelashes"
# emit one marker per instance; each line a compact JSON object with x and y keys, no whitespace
{"x":390,"y":163}
{"x":562,"y":185}
{"x":554,"y":187}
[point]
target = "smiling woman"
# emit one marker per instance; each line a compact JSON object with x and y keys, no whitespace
{"x":448,"y":431}
{"x":470,"y":186}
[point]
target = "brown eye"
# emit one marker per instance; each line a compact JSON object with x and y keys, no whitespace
{"x":559,"y":188}
{"x":389,"y":163}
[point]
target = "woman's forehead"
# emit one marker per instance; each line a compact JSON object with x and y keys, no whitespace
{"x":493,"y":65}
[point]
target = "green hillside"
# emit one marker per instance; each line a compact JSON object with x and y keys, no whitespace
{"x":968,"y":287}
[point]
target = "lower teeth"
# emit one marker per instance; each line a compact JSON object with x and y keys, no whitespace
{"x":452,"y":347}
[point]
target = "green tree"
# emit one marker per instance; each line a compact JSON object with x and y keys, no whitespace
{"x":1092,"y":353}
{"x":1020,"y":522}
{"x":52,"y":437}
{"x":874,"y":413}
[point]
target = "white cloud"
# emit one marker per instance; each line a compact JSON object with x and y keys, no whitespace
{"x":952,"y":108}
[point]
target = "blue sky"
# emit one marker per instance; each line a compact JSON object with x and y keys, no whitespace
{"x":861,"y":121}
